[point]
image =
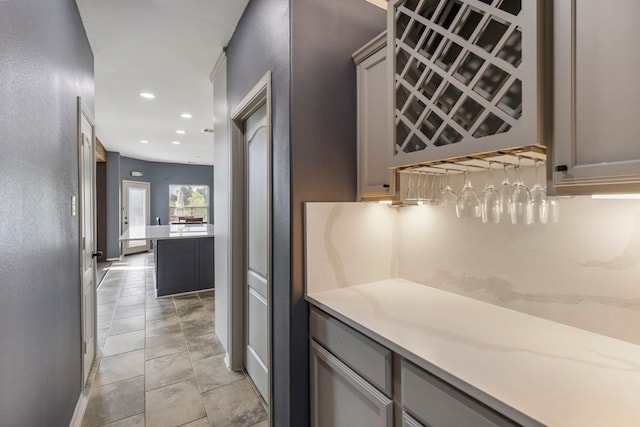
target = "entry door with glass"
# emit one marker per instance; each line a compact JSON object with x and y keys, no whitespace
{"x":135,"y":213}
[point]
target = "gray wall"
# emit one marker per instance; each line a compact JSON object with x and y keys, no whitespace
{"x":259,"y":44}
{"x":160,"y":176}
{"x":45,"y":63}
{"x":307,"y":44}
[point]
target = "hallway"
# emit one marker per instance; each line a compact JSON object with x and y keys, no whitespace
{"x":159,"y":361}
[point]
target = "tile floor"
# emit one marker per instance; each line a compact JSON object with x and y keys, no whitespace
{"x":160,"y":363}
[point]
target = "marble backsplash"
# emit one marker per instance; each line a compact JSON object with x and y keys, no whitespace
{"x":583,"y":271}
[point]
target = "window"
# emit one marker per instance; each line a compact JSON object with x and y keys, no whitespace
{"x":188,"y":201}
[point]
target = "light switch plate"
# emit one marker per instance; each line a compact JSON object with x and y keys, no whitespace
{"x":74,"y":206}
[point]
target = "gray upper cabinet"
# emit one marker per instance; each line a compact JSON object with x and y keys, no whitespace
{"x":375,"y":179}
{"x":468,"y":77}
{"x":597,"y":97}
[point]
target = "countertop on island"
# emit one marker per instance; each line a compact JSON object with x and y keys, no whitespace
{"x":553,"y":373}
{"x":166,"y":232}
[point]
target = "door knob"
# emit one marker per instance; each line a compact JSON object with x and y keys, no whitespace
{"x":97,"y":254}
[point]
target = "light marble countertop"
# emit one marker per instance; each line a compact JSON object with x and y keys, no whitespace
{"x":166,"y":232}
{"x":552,"y":373}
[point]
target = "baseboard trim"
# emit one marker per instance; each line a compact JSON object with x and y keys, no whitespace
{"x":81,"y":407}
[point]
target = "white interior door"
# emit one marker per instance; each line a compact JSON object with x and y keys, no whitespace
{"x":87,"y":185}
{"x":258,"y":228}
{"x":135,"y":213}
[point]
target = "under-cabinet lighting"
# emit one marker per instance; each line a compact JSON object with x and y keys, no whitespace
{"x":385,"y":202}
{"x":180,"y":132}
{"x":186,"y":115}
{"x":147,"y":95}
{"x":144,"y":141}
{"x":616,"y":196}
{"x":175,"y":142}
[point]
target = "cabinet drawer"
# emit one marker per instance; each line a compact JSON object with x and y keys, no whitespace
{"x":368,"y":358}
{"x":437,"y":404}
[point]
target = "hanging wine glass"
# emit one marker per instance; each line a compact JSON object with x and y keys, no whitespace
{"x":520,"y":199}
{"x":468,"y":203}
{"x":412,"y":186}
{"x":447,"y":197}
{"x":490,"y":201}
{"x":505,"y":192}
{"x":539,"y":205}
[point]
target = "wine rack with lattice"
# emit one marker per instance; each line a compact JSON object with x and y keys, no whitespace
{"x":458,"y":72}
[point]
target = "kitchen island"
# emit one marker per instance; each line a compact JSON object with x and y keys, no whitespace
{"x":183,"y":255}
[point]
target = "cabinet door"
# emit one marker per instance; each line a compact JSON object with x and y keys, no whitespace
{"x":597,"y":96}
{"x":341,"y":398}
{"x":468,"y":77}
{"x":374,"y":176}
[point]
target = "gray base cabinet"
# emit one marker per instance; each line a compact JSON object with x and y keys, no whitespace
{"x":340,"y":397}
{"x":183,"y":265}
{"x":355,"y":381}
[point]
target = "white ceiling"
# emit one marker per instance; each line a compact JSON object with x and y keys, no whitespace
{"x":168,"y":48}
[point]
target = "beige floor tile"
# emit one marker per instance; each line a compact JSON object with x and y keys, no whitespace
{"x":160,"y":312}
{"x":108,"y":297}
{"x":166,"y":326}
{"x":197,"y":327}
{"x":127,"y":324}
{"x":174,"y":405}
{"x":132,"y":299}
{"x":120,"y":367}
{"x":186,"y":310}
{"x":163,"y":345}
{"x":132,"y":291}
{"x":234,"y":405}
{"x":183,"y":300}
{"x":207,"y":294}
{"x":104,"y":321}
{"x":212,"y":373}
{"x":166,"y":370}
{"x":102,"y":337}
{"x":106,"y":308}
{"x":124,"y":342}
{"x":115,"y":402}
{"x":209,"y":305}
{"x":202,"y":422}
{"x":129,"y":311}
{"x":204,"y":346}
{"x":264,"y":423}
{"x":135,"y":421}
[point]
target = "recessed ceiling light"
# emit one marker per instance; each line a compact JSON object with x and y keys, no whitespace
{"x":147,"y":95}
{"x":144,"y":141}
{"x":181,"y":132}
{"x":186,"y":115}
{"x":175,"y":142}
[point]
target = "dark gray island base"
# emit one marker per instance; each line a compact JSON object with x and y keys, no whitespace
{"x":183,"y":256}
{"x":183,"y":265}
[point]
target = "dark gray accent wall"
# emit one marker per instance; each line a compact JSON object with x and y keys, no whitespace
{"x":307,"y":45}
{"x":260,"y":44}
{"x":160,"y":175}
{"x":45,"y":63}
{"x":324,"y":35}
{"x":113,"y":205}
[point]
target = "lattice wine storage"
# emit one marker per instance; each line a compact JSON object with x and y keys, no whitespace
{"x":468,"y":77}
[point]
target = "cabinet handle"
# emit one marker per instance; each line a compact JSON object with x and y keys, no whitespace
{"x":385,"y":185}
{"x":562,"y":168}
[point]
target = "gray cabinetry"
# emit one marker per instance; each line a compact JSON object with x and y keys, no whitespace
{"x":437,"y":404}
{"x":468,"y":77}
{"x":353,"y":378}
{"x":375,"y":180}
{"x":183,"y":265}
{"x":342,"y":398}
{"x":597,"y":96}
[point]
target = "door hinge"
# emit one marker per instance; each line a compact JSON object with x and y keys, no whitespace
{"x":84,"y":347}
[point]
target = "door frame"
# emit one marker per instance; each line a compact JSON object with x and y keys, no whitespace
{"x":258,"y":96}
{"x":147,"y":246}
{"x":83,"y":111}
